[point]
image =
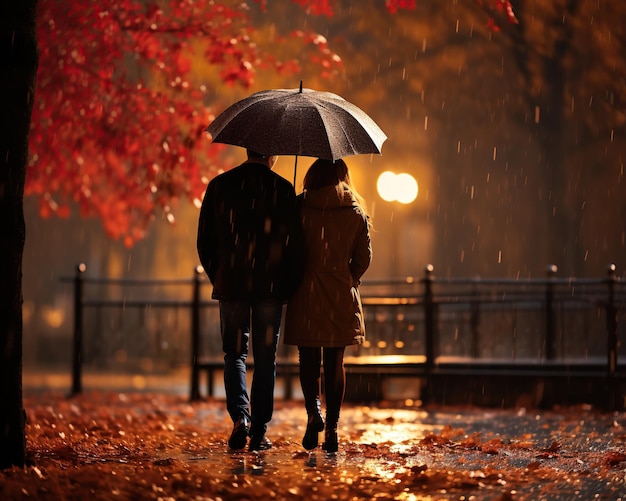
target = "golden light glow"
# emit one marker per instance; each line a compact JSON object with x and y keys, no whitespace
{"x":54,"y":317}
{"x":386,"y":186}
{"x":394,"y":187}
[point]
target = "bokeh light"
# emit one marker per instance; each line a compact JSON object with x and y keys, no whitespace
{"x":386,"y":186}
{"x":394,"y":187}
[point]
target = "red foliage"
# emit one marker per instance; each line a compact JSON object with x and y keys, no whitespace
{"x":394,"y":5}
{"x":499,"y":9}
{"x":325,"y":8}
{"x":117,"y":126}
{"x":315,"y":7}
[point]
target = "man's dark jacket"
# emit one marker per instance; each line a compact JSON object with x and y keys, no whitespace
{"x":249,"y":235}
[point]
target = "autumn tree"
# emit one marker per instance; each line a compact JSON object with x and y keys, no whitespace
{"x":568,"y":60}
{"x":117,"y":122}
{"x":18,"y":60}
{"x":125,"y":91}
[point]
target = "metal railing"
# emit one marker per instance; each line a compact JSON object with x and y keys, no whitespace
{"x":549,"y":324}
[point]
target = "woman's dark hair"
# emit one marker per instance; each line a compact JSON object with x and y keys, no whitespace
{"x":323,"y":173}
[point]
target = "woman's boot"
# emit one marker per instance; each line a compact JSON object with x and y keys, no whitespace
{"x":314,"y":425}
{"x":331,"y":442}
{"x":310,"y":374}
{"x":334,"y":389}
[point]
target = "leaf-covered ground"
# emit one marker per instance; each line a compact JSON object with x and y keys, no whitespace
{"x":122,"y":446}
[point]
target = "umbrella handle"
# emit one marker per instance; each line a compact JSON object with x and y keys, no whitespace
{"x":295,"y":169}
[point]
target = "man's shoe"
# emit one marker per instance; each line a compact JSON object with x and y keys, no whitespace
{"x":239,"y":436}
{"x":261,"y":443}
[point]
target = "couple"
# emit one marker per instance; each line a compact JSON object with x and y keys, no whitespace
{"x":262,"y":247}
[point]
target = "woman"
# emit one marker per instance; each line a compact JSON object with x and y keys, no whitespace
{"x":325,"y":314}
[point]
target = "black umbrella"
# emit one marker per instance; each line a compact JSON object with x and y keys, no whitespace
{"x":300,"y":122}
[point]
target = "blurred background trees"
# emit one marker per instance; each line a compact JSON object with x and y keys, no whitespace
{"x":515,"y":132}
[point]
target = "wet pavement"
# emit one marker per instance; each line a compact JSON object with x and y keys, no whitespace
{"x":402,"y":451}
{"x":397,"y":450}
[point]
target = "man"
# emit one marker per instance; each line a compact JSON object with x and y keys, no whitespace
{"x":250,"y":245}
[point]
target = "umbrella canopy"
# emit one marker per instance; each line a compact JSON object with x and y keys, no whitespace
{"x":300,"y":122}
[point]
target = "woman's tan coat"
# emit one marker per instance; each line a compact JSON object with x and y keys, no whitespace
{"x":326,"y":308}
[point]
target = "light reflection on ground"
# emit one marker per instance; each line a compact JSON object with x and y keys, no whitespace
{"x":395,"y":427}
{"x":394,"y":451}
{"x":377,"y":445}
{"x":366,"y":431}
{"x":390,"y":446}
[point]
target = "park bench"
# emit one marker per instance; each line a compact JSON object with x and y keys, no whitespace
{"x":372,"y":371}
{"x":286,"y":369}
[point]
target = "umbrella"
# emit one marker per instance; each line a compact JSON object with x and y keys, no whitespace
{"x":300,"y":122}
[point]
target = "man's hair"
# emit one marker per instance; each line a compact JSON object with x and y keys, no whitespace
{"x":256,"y":154}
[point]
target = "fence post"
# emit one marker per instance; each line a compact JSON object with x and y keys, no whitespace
{"x":77,"y":345}
{"x":429,"y":327}
{"x":550,"y":320}
{"x":611,"y":330}
{"x":195,"y":334}
{"x":475,"y":320}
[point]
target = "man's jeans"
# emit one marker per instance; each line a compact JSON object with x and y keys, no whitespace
{"x":260,"y":321}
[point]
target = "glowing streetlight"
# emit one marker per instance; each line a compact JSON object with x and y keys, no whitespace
{"x":397,"y":187}
{"x":386,"y":186}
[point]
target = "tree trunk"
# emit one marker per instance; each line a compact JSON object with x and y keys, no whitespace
{"x":18,"y":67}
